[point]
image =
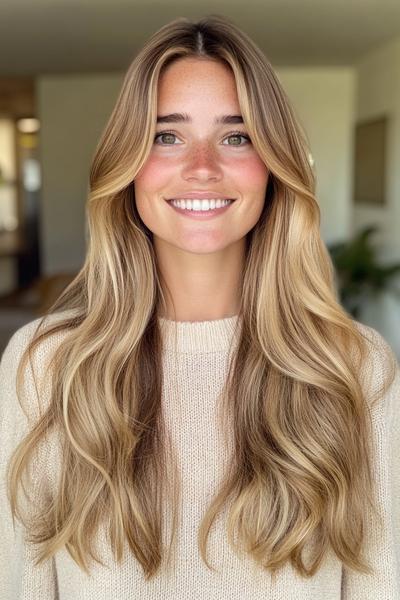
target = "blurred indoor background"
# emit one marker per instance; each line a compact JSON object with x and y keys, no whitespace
{"x":61,"y":68}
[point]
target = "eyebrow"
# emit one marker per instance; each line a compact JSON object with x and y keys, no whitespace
{"x":185,"y":118}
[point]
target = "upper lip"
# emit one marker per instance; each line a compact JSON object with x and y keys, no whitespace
{"x":200,"y":195}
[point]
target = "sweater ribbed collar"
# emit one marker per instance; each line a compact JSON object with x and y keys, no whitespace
{"x":200,"y":336}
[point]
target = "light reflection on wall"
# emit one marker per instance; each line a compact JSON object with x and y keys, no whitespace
{"x":25,"y":136}
{"x":8,"y":183}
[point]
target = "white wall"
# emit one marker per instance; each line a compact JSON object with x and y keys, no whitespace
{"x":73,"y":111}
{"x":324,"y":100}
{"x":378,"y":93}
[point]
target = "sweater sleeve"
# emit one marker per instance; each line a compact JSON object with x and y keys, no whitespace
{"x":383,"y":545}
{"x":20,"y":578}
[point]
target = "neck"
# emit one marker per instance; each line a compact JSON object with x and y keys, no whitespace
{"x":200,"y":287}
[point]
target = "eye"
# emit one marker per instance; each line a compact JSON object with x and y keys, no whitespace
{"x":165,"y":134}
{"x":237,"y":135}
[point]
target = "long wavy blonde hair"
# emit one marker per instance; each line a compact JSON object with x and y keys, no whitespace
{"x":302,"y":463}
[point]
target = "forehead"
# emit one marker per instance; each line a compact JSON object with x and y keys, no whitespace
{"x":194,"y":81}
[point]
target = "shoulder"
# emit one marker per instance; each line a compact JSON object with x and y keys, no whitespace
{"x":379,"y":356}
{"x":379,"y":372}
{"x":20,"y":339}
{"x":373,"y":337}
{"x":33,"y":374}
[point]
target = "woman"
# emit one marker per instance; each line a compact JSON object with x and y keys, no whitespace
{"x":200,"y":417}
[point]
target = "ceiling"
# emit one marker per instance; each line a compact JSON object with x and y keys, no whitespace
{"x":78,"y":36}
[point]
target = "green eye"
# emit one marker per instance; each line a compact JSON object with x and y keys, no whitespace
{"x":237,"y":135}
{"x":163,"y":134}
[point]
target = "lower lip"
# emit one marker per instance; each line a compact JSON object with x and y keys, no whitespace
{"x":201,"y":214}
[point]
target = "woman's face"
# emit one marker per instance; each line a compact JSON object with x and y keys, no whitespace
{"x":200,"y":158}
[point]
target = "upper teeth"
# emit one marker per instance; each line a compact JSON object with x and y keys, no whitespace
{"x":197,"y":204}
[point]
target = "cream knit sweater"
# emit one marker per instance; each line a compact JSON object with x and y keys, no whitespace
{"x":191,"y":386}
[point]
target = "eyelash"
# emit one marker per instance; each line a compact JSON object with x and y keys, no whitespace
{"x":231,"y":134}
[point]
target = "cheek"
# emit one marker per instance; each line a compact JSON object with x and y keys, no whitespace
{"x":154,"y":174}
{"x":251,"y":175}
{"x":251,"y":179}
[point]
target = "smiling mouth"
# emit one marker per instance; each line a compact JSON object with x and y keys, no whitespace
{"x":200,"y":205}
{"x":201,"y":209}
{"x":204,"y":205}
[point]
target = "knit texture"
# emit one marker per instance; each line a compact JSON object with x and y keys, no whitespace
{"x":195,"y":362}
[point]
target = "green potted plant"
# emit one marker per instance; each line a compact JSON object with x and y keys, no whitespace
{"x":358,"y":271}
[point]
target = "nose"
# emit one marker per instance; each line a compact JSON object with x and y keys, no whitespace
{"x":202,"y":163}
